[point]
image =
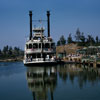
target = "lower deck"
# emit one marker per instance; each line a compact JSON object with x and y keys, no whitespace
{"x":32,"y":63}
{"x":39,"y":58}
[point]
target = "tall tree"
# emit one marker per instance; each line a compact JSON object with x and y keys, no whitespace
{"x":0,"y":51}
{"x":5,"y":49}
{"x":90,"y":40}
{"x":62,"y":40}
{"x":16,"y":50}
{"x":78,"y":35}
{"x":10,"y":50}
{"x":69,"y":40}
{"x":97,"y":39}
{"x":82,"y":38}
{"x":58,"y":43}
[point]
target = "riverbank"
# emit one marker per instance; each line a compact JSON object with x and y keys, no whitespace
{"x":11,"y":59}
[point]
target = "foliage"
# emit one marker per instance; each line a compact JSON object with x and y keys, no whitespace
{"x":80,"y":39}
{"x":90,"y":40}
{"x":9,"y":52}
{"x":5,"y":49}
{"x":0,"y":51}
{"x":58,"y":43}
{"x":78,"y":35}
{"x":61,"y":41}
{"x":97,"y":39}
{"x":69,"y":39}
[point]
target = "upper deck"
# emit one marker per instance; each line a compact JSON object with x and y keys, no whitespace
{"x":38,"y":36}
{"x":39,"y":42}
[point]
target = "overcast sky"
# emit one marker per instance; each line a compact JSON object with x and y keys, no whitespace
{"x":66,"y":17}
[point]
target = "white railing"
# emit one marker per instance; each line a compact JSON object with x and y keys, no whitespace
{"x":39,"y":59}
{"x":33,"y":50}
{"x":39,"y":50}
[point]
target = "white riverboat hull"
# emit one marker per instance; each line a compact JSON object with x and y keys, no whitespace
{"x":41,"y":63}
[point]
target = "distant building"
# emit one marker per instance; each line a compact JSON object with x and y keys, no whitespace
{"x":91,"y":50}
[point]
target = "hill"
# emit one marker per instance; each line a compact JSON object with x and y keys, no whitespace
{"x":68,"y":48}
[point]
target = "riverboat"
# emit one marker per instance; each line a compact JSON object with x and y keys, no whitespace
{"x":39,"y":49}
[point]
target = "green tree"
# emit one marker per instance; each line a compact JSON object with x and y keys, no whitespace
{"x":16,"y":50}
{"x":90,"y":40}
{"x":0,"y":51}
{"x":78,"y":35}
{"x":62,"y":40}
{"x":58,"y":43}
{"x":10,"y":51}
{"x":97,"y":39}
{"x":5,"y":49}
{"x":69,"y":40}
{"x":82,"y":38}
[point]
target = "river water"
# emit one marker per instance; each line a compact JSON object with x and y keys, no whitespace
{"x":61,"y":82}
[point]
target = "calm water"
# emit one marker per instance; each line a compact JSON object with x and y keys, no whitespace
{"x":63,"y":82}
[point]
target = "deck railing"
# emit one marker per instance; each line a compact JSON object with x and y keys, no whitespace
{"x":39,"y":59}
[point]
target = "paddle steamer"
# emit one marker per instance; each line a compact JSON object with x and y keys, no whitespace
{"x":39,"y":49}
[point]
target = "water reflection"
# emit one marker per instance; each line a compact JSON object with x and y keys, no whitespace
{"x":43,"y":81}
{"x":81,"y":74}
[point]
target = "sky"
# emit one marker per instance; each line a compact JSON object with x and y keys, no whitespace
{"x":66,"y":17}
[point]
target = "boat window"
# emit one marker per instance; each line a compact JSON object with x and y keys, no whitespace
{"x":35,"y":45}
{"x":35,"y":38}
{"x":38,"y":55}
{"x":47,"y":45}
{"x":52,"y":45}
{"x":39,"y":45}
{"x":26,"y":46}
{"x":30,"y":46}
{"x":33,"y":56}
{"x":39,"y":38}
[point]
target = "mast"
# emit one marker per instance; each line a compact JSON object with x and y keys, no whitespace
{"x":30,"y":15}
{"x":48,"y":22}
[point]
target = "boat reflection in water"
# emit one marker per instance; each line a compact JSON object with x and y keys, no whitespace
{"x":43,"y":81}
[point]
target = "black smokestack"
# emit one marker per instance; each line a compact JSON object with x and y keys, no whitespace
{"x":30,"y":14}
{"x":48,"y":22}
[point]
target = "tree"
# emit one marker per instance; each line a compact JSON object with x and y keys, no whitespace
{"x":69,"y":40}
{"x":10,"y":51}
{"x":0,"y":51}
{"x":58,"y":43}
{"x":62,"y":40}
{"x":78,"y":35}
{"x":90,"y":40}
{"x":16,"y":50}
{"x":5,"y":49}
{"x":82,"y":38}
{"x":97,"y":39}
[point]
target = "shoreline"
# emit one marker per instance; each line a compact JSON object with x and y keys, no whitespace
{"x":11,"y":60}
